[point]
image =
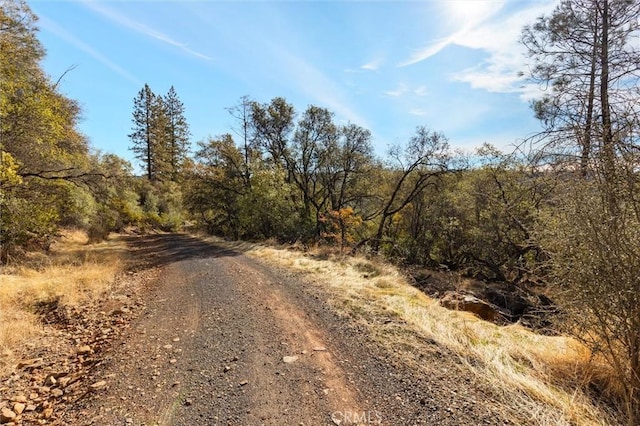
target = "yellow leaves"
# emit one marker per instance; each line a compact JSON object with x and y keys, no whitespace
{"x":340,"y":224}
{"x":9,"y":170}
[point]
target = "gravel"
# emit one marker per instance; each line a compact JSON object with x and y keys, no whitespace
{"x":226,"y":340}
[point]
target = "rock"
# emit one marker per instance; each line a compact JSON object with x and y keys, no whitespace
{"x":464,"y":302}
{"x":7,"y":415}
{"x":167,"y":346}
{"x":47,"y":412}
{"x":98,"y":385}
{"x":31,"y":407}
{"x":19,"y":398}
{"x":119,"y":311}
{"x":176,"y":339}
{"x":57,"y":393}
{"x":226,"y":368}
{"x":50,"y":381}
{"x":19,"y":407}
{"x":83,"y":350}
{"x":188,"y":402}
{"x":319,"y":349}
{"x":64,"y":381}
{"x":289,"y":359}
{"x":30,"y":363}
{"x":244,"y":383}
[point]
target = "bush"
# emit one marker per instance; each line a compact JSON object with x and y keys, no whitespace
{"x":595,"y":261}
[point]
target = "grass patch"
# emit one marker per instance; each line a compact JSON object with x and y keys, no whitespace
{"x":368,"y":269}
{"x":71,"y":274}
{"x":545,"y":379}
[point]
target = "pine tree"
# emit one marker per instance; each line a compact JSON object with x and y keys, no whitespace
{"x":145,"y":135}
{"x":177,"y":133}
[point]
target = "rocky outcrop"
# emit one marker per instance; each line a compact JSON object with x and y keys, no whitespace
{"x":468,"y":303}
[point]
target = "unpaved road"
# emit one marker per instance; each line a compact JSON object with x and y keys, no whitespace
{"x":210,"y":348}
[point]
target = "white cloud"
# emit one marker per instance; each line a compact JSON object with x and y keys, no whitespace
{"x":469,"y":13}
{"x":427,"y":52}
{"x":418,"y":111}
{"x":500,"y":40}
{"x":464,"y":15}
{"x":372,"y":65}
{"x":421,"y":91}
{"x":56,"y":29}
{"x":142,"y":29}
{"x":404,"y":89}
{"x":399,"y":91}
{"x":481,"y":26}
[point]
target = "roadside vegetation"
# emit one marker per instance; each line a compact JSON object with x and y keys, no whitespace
{"x":555,"y":221}
{"x":548,"y":380}
{"x":71,"y":274}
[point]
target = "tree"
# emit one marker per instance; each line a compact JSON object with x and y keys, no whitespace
{"x":313,"y":142}
{"x":218,"y":185}
{"x":178,"y":134}
{"x":44,"y":159}
{"x":245,"y":130}
{"x":425,"y":158}
{"x":144,"y":131}
{"x":583,"y":54}
{"x":587,"y":52}
{"x":144,"y":145}
{"x":346,"y":165}
{"x":273,"y":124}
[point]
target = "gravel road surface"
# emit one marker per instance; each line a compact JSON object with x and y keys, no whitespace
{"x":226,"y":340}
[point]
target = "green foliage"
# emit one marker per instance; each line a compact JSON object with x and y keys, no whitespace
{"x":159,"y":205}
{"x":44,"y":159}
{"x":160,"y":134}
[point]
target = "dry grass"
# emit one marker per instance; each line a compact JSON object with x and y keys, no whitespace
{"x":73,"y":272}
{"x":543,"y":378}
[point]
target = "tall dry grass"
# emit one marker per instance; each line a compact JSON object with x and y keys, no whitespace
{"x":543,"y":378}
{"x":73,"y":272}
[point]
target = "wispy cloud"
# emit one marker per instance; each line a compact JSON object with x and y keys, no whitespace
{"x":418,"y":111}
{"x":483,"y":25}
{"x":314,"y":83}
{"x":465,"y":15}
{"x":428,"y":51}
{"x":421,"y":91}
{"x":372,"y":65}
{"x":142,"y":29}
{"x":405,"y":89}
{"x":51,"y":26}
{"x":399,"y":91}
{"x":499,"y":72}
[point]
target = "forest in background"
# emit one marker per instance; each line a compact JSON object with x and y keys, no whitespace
{"x":561,"y":212}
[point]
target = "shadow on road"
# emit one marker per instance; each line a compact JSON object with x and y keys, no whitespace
{"x":148,"y":251}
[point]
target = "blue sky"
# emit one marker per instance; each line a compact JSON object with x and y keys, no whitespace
{"x":389,"y":66}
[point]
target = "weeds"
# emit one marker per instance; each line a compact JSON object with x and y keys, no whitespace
{"x":71,"y":274}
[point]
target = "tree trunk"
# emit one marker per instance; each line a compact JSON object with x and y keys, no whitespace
{"x":586,"y":142}
{"x":608,"y":148}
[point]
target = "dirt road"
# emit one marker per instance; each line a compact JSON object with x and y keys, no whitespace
{"x":226,"y":340}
